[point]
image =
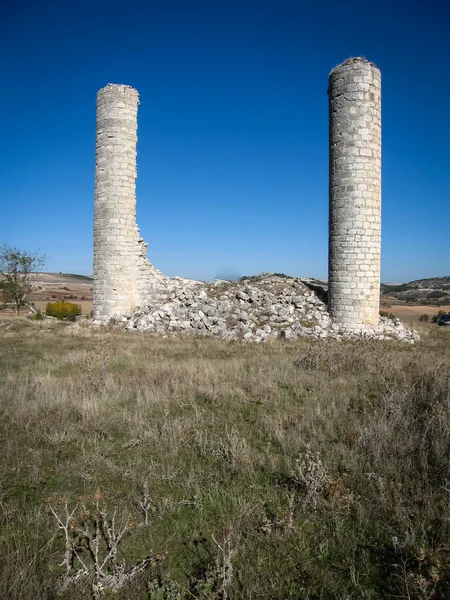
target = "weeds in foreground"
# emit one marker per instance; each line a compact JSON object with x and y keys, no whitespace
{"x":311,"y":474}
{"x":291,"y":471}
{"x":91,"y":542}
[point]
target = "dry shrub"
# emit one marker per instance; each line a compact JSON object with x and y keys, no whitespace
{"x":63,"y":310}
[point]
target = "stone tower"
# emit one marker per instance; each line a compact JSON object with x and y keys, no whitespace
{"x":123,"y":277}
{"x":115,"y":202}
{"x":355,"y":195}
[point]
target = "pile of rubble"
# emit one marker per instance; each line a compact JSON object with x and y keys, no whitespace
{"x":257,"y":309}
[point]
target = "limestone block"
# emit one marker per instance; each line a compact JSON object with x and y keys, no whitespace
{"x":355,"y":194}
{"x":123,"y":277}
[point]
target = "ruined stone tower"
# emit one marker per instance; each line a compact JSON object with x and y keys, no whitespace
{"x":355,"y":195}
{"x":122,"y":275}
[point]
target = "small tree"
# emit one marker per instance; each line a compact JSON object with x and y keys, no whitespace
{"x":16,"y":267}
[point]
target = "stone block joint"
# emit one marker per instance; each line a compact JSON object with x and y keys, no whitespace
{"x":354,"y":98}
{"x":122,"y":274}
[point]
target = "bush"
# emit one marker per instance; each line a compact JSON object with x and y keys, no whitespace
{"x":385,"y":313}
{"x":37,"y":316}
{"x":63,"y":310}
{"x":424,"y":318}
{"x":389,"y":289}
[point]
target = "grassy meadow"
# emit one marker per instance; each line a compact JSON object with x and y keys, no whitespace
{"x":133,"y":466}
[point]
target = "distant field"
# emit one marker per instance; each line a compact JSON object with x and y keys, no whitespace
{"x":53,"y":287}
{"x":411,"y":314}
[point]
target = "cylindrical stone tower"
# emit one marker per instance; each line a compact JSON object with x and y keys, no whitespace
{"x":355,"y":195}
{"x":115,"y":232}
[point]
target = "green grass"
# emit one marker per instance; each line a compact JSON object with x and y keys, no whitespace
{"x":314,"y":469}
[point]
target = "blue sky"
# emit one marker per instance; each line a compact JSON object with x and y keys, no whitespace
{"x":233,"y":128}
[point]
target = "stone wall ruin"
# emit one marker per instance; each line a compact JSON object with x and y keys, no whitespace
{"x":123,"y":277}
{"x":355,"y":194}
{"x":129,"y":289}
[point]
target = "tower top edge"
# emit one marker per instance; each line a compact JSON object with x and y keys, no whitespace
{"x":109,"y":87}
{"x":354,"y":60}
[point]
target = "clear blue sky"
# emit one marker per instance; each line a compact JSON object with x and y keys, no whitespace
{"x":233,"y":128}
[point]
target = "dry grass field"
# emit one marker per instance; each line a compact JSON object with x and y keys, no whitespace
{"x":186,"y":468}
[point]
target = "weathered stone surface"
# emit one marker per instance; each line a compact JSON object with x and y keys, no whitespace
{"x":123,"y":277}
{"x":355,"y":194}
{"x":268,"y":306}
{"x":231,"y":310}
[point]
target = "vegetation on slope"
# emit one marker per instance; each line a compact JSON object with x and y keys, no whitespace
{"x":285,"y":471}
{"x":432,"y":291}
{"x":432,"y":282}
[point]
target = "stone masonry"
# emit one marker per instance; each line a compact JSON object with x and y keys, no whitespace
{"x":355,"y":195}
{"x":261,"y":308}
{"x":123,"y":277}
{"x":128,"y":289}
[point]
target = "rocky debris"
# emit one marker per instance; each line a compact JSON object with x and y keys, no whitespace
{"x":258,"y":309}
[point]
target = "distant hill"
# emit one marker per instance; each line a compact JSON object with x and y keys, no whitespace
{"x":49,"y":276}
{"x":75,"y":277}
{"x":432,"y":291}
{"x":432,"y":283}
{"x":61,"y":286}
